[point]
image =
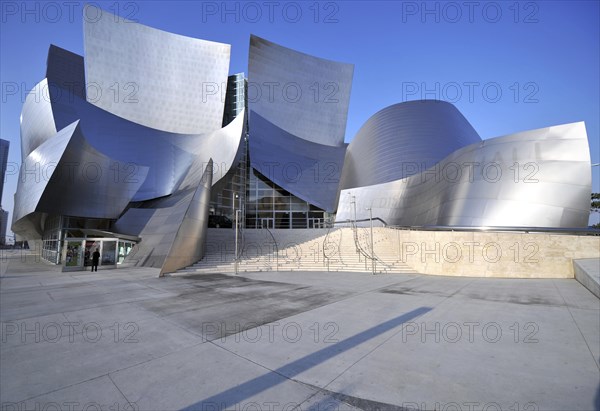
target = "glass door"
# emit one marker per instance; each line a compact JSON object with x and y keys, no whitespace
{"x":109,"y":252}
{"x":90,"y":247}
{"x":267,"y":223}
{"x":315,"y":223}
{"x":74,"y":254}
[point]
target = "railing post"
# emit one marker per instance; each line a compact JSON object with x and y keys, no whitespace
{"x":235,"y":264}
{"x":372,"y":246}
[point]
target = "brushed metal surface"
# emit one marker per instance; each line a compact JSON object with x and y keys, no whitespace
{"x":308,"y":170}
{"x":67,"y":176}
{"x":190,"y":241}
{"x":404,"y":139}
{"x":304,"y":95}
{"x":536,"y":178}
{"x":66,"y":70}
{"x":134,"y":162}
{"x":169,"y":156}
{"x":154,"y":78}
{"x":151,"y":138}
{"x":4,"y":148}
{"x":298,"y":107}
{"x":172,"y":229}
{"x":32,"y":183}
{"x":37,"y":121}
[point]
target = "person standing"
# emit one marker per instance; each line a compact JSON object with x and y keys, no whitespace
{"x":95,"y":259}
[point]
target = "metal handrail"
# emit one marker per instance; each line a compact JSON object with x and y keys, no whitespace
{"x":276,"y":248}
{"x":494,"y":229}
{"x":359,"y":247}
{"x":374,"y":256}
{"x":557,"y":230}
{"x":361,"y":221}
{"x":325,"y":256}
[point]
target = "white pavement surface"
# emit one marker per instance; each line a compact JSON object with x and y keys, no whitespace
{"x":125,"y":339}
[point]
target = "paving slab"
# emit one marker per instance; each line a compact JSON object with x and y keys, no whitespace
{"x":300,"y":340}
{"x":316,"y":346}
{"x":33,"y":330}
{"x":572,"y":293}
{"x":30,"y":370}
{"x":351,"y":281}
{"x":208,"y":377}
{"x":532,"y":356}
{"x":587,"y":323}
{"x":98,"y":394}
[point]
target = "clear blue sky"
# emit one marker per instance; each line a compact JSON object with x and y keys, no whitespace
{"x":542,"y":56}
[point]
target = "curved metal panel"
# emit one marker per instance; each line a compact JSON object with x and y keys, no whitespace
{"x":66,"y":176}
{"x":306,"y":169}
{"x":4,"y":147}
{"x":190,"y":240}
{"x":537,"y":178}
{"x":172,"y":229}
{"x":65,"y":70}
{"x":37,"y":119}
{"x":405,"y":139}
{"x":169,"y":156}
{"x":136,"y":145}
{"x":304,"y":95}
{"x":154,"y":78}
{"x":163,"y":160}
{"x":87,"y":183}
{"x":222,"y":145}
{"x":32,"y":182}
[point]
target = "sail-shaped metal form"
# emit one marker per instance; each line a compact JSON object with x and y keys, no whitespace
{"x":537,"y":178}
{"x":298,"y":107}
{"x":86,"y":155}
{"x":132,"y":138}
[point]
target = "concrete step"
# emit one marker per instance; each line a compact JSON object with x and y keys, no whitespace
{"x":299,"y":250}
{"x":587,"y":272}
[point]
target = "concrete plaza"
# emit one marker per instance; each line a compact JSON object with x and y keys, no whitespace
{"x":125,"y":339}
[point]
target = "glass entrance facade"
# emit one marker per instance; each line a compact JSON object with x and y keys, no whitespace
{"x":270,"y":206}
{"x":77,"y":253}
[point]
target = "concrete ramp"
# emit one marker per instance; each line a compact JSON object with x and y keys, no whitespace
{"x":587,"y":272}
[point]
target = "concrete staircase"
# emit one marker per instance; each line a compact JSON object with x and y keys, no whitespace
{"x":587,"y":272}
{"x":300,"y":250}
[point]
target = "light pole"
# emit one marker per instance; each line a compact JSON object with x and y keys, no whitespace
{"x":372,"y":249}
{"x":354,"y":229}
{"x":235,"y":263}
{"x":237,"y":218}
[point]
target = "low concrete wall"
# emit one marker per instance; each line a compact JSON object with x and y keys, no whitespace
{"x":487,"y":254}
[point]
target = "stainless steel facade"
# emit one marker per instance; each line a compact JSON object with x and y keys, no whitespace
{"x":3,"y":226}
{"x":129,"y":142}
{"x":154,"y":78}
{"x":303,"y":95}
{"x":37,"y":119}
{"x":298,"y":107}
{"x":148,"y":169}
{"x":537,"y":178}
{"x":4,"y":146}
{"x":67,"y":176}
{"x":309,"y":170}
{"x":404,"y":138}
{"x":89,"y":162}
{"x":173,"y":229}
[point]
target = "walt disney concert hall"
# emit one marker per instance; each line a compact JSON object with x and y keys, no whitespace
{"x":147,"y":140}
